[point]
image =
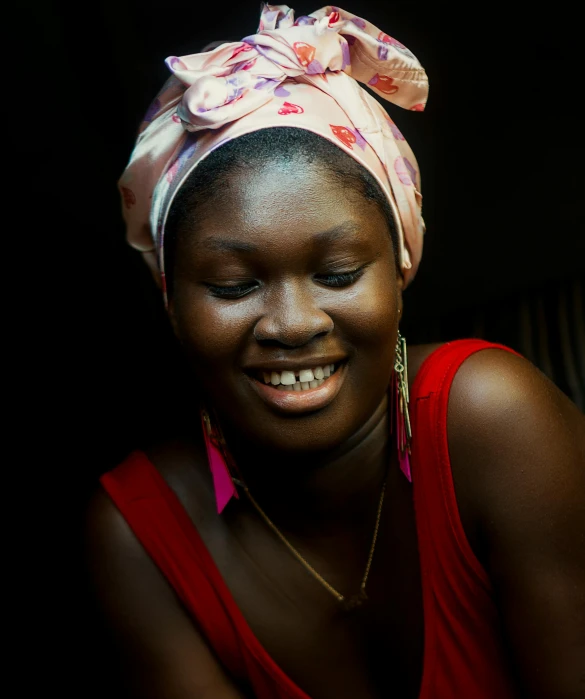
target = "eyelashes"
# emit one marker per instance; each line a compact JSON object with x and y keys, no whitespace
{"x":342,"y":279}
{"x":231,"y":292}
{"x":236,"y":291}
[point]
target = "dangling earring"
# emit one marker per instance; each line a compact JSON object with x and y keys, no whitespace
{"x":401,"y":399}
{"x":218,"y":457}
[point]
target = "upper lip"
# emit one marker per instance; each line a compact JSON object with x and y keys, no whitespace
{"x":292,"y":364}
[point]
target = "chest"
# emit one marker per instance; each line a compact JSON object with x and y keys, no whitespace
{"x":375,"y":650}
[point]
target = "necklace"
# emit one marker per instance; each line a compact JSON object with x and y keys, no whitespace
{"x":348,"y":604}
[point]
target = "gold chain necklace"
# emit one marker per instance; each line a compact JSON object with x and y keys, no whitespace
{"x":347,"y":603}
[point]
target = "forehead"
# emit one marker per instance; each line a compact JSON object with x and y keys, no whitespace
{"x":286,"y":203}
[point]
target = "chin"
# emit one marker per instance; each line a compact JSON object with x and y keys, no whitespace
{"x":269,"y":427}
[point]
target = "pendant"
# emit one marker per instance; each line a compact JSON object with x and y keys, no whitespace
{"x":355,"y":601}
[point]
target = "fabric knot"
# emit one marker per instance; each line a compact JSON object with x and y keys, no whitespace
{"x":303,"y":73}
{"x":238,"y":78}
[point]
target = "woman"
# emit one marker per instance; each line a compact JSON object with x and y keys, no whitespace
{"x":355,"y":517}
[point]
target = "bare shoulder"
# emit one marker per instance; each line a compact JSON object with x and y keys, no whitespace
{"x":113,"y":549}
{"x":180,"y":463}
{"x":504,"y":404}
{"x":124,"y":577}
{"x":162,"y":650}
{"x":107,"y":532}
{"x":517,"y":449}
{"x":513,"y":435}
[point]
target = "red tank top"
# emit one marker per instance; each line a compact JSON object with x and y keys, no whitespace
{"x":463,"y":650}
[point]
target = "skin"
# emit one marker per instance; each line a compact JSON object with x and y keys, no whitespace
{"x":516,"y":444}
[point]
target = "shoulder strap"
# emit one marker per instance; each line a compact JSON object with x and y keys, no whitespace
{"x":442,"y":364}
{"x":434,"y":492}
{"x":164,"y":529}
{"x":463,"y":648}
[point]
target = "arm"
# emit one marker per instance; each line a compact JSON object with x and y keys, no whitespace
{"x":162,"y":650}
{"x":518,"y":455}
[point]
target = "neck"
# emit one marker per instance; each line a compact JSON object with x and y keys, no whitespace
{"x":334,"y":490}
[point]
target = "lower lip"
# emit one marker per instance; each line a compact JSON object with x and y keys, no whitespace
{"x":298,"y":402}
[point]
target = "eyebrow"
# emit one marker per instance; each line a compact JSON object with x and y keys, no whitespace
{"x":343,"y":230}
{"x":227,"y":245}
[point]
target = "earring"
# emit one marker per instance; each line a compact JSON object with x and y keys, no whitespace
{"x":217,"y":457}
{"x":401,"y":399}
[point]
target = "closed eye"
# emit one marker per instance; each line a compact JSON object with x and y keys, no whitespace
{"x":237,"y":291}
{"x":233,"y":291}
{"x":341,"y":279}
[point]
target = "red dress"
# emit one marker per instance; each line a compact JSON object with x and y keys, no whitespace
{"x":463,"y":650}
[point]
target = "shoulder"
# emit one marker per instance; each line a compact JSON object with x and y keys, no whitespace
{"x":117,"y":562}
{"x":106,"y":529}
{"x":132,"y":593}
{"x":182,"y":464}
{"x":517,"y":448}
{"x":128,"y":588}
{"x":162,"y":650}
{"x":504,"y":403}
{"x":108,"y":534}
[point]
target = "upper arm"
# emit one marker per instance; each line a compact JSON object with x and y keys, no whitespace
{"x":517,"y":447}
{"x":163,"y":651}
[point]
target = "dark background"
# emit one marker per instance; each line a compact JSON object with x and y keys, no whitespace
{"x":501,"y":158}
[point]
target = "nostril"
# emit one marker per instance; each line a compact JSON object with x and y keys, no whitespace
{"x":292,"y":325}
{"x":289,"y":344}
{"x":288,"y":338}
{"x":275,"y":343}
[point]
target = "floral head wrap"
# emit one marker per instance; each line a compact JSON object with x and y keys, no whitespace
{"x":302,"y":73}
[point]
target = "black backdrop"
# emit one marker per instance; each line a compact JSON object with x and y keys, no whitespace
{"x":501,"y":159}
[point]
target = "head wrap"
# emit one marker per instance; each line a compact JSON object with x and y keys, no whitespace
{"x":302,"y":73}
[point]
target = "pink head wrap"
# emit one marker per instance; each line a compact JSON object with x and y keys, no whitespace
{"x":299,"y":73}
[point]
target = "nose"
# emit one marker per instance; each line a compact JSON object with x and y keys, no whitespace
{"x":291,"y":317}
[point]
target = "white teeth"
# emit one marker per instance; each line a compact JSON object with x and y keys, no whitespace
{"x":305,"y":375}
{"x":287,"y":378}
{"x":301,"y":380}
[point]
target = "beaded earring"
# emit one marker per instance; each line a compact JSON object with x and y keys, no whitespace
{"x":400,"y":400}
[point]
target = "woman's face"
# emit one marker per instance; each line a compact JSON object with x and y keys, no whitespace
{"x":286,"y":271}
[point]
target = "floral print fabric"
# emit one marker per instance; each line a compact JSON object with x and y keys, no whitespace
{"x":303,"y":73}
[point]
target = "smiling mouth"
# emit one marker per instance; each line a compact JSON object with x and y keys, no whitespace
{"x":299,"y":380}
{"x":299,"y":391}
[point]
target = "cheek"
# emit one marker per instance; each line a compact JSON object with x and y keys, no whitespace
{"x":368,"y":313}
{"x":369,"y":321}
{"x":211,"y":332}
